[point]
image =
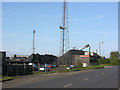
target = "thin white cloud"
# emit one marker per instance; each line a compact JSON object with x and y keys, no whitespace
{"x":97,"y":17}
{"x":101,"y":32}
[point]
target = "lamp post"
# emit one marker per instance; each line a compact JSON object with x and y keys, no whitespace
{"x":100,"y":48}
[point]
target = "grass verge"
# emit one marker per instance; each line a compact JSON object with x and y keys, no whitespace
{"x":6,"y":78}
{"x":74,"y":69}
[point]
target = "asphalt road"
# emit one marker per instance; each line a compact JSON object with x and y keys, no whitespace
{"x":100,"y":78}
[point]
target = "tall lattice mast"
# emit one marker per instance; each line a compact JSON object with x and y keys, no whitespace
{"x":33,"y":41}
{"x":64,"y":38}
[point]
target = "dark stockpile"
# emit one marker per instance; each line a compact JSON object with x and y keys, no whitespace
{"x":37,"y":58}
{"x":75,"y":52}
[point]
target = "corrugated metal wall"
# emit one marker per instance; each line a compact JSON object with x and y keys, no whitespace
{"x":16,"y":70}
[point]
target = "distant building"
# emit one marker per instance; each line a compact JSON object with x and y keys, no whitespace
{"x":19,"y":57}
{"x":22,"y":56}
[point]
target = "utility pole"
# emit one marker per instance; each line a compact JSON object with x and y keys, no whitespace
{"x":96,"y":57}
{"x":100,"y":48}
{"x":33,"y":41}
{"x":103,"y":54}
{"x":96,"y":51}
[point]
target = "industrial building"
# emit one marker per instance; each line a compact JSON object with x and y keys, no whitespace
{"x":2,"y":56}
{"x":72,"y":57}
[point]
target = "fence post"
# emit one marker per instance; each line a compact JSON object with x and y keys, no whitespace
{"x":7,"y":68}
{"x":17,"y":69}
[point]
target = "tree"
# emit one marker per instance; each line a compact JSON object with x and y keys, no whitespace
{"x":100,"y":61}
{"x":115,"y":61}
{"x":114,"y":54}
{"x":106,"y":61}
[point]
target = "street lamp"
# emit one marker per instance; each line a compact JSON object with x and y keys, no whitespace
{"x":100,"y":49}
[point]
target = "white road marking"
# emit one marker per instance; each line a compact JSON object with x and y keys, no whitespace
{"x":102,"y":73}
{"x":86,"y":79}
{"x":68,"y":85}
{"x":96,"y":75}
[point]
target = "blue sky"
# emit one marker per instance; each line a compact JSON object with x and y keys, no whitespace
{"x":89,"y":23}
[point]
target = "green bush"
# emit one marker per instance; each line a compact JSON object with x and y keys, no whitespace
{"x":106,"y":61}
{"x":100,"y":61}
{"x":79,"y":64}
{"x":112,"y":61}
